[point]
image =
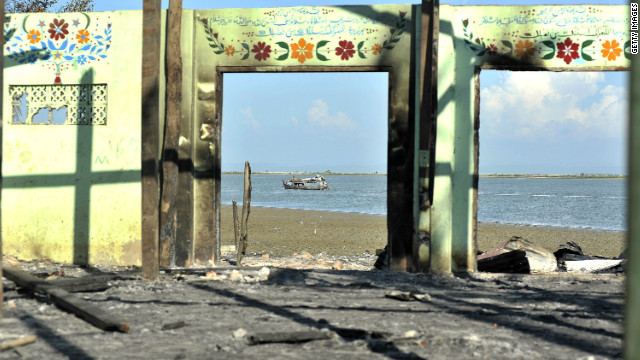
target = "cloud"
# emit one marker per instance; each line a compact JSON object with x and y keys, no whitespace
{"x":536,"y":105}
{"x":294,"y":120}
{"x":319,"y":115}
{"x":250,"y":120}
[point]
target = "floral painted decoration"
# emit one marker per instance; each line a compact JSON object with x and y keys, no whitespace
{"x":262,"y":50}
{"x":345,"y":50}
{"x":611,"y":50}
{"x":302,"y":49}
{"x":568,"y":49}
{"x":524,"y":49}
{"x":60,"y":46}
{"x":58,"y":29}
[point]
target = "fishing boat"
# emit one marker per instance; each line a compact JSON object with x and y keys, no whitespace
{"x":315,"y":183}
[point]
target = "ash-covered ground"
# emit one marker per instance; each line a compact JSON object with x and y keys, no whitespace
{"x":318,"y":307}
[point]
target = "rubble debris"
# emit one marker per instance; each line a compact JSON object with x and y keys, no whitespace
{"x":519,"y":255}
{"x":382,"y":263}
{"x":245,"y":275}
{"x":591,"y":265}
{"x":540,"y":260}
{"x":240,"y":333}
{"x":570,"y":249}
{"x":571,"y":258}
{"x":407,"y":296}
{"x":509,"y":262}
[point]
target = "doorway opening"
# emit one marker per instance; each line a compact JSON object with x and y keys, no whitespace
{"x":303,"y":124}
{"x":553,"y":165}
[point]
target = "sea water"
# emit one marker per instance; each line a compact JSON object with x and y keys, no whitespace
{"x":562,"y":202}
{"x":347,"y":193}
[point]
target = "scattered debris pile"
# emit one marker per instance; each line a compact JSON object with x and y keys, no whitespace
{"x":518,"y":255}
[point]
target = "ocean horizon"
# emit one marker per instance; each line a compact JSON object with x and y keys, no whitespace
{"x":563,"y":202}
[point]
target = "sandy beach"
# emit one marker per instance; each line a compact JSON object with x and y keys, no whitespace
{"x":281,"y":232}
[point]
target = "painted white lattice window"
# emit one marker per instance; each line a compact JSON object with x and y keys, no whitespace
{"x":59,"y":104}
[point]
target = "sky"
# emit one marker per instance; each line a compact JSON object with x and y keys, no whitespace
{"x":575,"y":124}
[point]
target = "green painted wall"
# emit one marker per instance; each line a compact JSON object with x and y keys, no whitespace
{"x":558,"y":38}
{"x":71,"y":193}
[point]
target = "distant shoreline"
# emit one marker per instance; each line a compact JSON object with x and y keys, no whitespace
{"x":312,"y":173}
{"x":512,"y":176}
{"x":554,"y":176}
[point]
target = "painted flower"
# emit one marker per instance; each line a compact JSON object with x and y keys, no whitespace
{"x":345,"y":50}
{"x":229,"y":50}
{"x":262,"y":50}
{"x":57,"y":55}
{"x":41,"y":23}
{"x":611,"y":50}
{"x":524,"y":48}
{"x":76,"y":22}
{"x":82,"y":59}
{"x":492,"y":49}
{"x":568,"y":50}
{"x":465,"y":22}
{"x":302,"y":51}
{"x":34,"y":36}
{"x":58,"y":29}
{"x":377,"y":49}
{"x":82,"y":36}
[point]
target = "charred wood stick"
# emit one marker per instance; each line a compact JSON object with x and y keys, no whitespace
{"x":246,"y":204}
{"x":17,"y":343}
{"x":288,"y":337}
{"x":174,"y":325}
{"x":236,"y":223}
{"x":66,"y":301}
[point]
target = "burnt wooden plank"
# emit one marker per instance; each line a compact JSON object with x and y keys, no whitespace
{"x":1,"y":145}
{"x":428,"y":91}
{"x":149,"y":137}
{"x":401,"y":224}
{"x":184,"y":204}
{"x":88,"y":283}
{"x":66,"y":301}
{"x":428,"y":106}
{"x":289,"y":337}
{"x":170,"y":171}
{"x":217,"y":170}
